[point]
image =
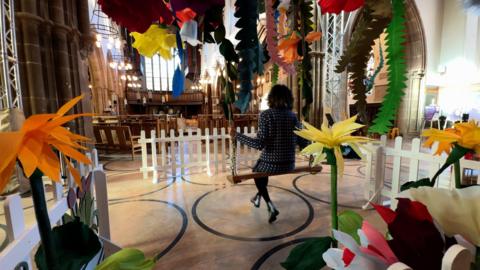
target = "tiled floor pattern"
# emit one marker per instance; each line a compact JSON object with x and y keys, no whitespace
{"x":203,"y":222}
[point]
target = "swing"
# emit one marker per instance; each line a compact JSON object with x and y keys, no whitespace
{"x":235,"y":178}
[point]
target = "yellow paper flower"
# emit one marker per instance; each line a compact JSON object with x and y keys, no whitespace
{"x":456,"y":211}
{"x":32,"y":145}
{"x":467,"y":135}
{"x":332,"y":138}
{"x":155,"y":40}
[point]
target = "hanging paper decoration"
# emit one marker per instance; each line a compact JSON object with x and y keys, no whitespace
{"x":134,"y":16}
{"x":275,"y":73}
{"x":247,"y":12}
{"x":337,"y":6}
{"x":374,"y":18}
{"x":370,"y":81}
{"x":397,"y":70}
{"x":185,"y":15}
{"x":472,"y":5}
{"x":155,"y":40}
{"x":271,"y":39}
{"x":304,"y":16}
{"x":178,"y":81}
{"x":189,"y":32}
{"x":199,"y":6}
{"x":178,"y":84}
{"x":288,"y":48}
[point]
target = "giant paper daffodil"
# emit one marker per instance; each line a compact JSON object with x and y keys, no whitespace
{"x":33,"y":145}
{"x":466,"y":135}
{"x":332,"y":138}
{"x":155,"y":40}
{"x":456,"y":211}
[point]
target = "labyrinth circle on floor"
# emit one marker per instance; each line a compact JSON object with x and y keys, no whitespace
{"x":277,"y":249}
{"x":160,"y":220}
{"x":228,"y":213}
{"x":350,"y":189}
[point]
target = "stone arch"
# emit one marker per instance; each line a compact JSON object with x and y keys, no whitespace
{"x":410,"y":114}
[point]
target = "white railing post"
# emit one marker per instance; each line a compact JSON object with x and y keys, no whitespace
{"x":207,"y":151}
{"x":101,"y":198}
{"x":189,"y":144}
{"x":397,"y":164}
{"x":414,"y":162}
{"x":224,"y":158}
{"x":239,"y":151}
{"x":163,"y":152}
{"x":153,"y":144}
{"x":15,"y":221}
{"x":379,"y":174}
{"x":173,"y":157}
{"x":215,"y":149}
{"x":181,"y":150}
{"x":199,"y":147}
{"x":143,"y":143}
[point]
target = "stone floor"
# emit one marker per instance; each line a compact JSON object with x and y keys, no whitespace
{"x":203,"y":222}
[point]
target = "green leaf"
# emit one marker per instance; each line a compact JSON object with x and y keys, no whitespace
{"x":397,"y":70}
{"x":220,"y":34}
{"x":350,"y":222}
{"x":127,"y":259}
{"x":424,"y":182}
{"x":457,"y":153}
{"x":75,"y":245}
{"x":308,"y":255}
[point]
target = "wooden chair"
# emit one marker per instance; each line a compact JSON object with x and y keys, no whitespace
{"x":117,"y":139}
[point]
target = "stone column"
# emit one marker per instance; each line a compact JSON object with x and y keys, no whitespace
{"x":61,"y":52}
{"x":30,"y":57}
{"x":410,"y":114}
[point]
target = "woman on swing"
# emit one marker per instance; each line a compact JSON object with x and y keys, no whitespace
{"x":276,"y":140}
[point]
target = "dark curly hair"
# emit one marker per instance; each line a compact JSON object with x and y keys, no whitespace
{"x":280,"y":97}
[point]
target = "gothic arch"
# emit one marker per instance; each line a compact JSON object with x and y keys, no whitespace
{"x":410,"y":114}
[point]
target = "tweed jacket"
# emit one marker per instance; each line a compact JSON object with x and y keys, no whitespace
{"x":276,"y":140}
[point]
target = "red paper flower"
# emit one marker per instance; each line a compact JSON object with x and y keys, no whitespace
{"x":136,"y":17}
{"x":416,"y":240}
{"x":337,"y":6}
{"x":199,"y":6}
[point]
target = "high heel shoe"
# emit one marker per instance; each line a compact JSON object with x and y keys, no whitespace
{"x":256,"y":200}
{"x":273,"y":213}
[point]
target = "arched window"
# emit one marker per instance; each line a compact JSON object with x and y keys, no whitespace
{"x":159,"y":72}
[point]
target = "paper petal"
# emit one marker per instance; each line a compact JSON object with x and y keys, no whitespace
{"x":178,"y":83}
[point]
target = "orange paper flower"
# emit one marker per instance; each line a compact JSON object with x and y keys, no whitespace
{"x":288,"y":48}
{"x":467,"y":135}
{"x":313,"y":36}
{"x":33,"y":145}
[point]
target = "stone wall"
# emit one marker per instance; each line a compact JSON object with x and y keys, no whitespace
{"x":53,"y":39}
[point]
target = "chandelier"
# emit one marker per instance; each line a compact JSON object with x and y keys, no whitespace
{"x":105,"y":29}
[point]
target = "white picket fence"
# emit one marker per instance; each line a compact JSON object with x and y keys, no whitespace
{"x":175,"y":155}
{"x":23,"y":241}
{"x":377,"y":163}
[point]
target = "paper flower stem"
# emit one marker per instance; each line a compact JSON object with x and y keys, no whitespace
{"x":334,"y":204}
{"x":477,"y":258}
{"x":43,"y":221}
{"x":458,"y":180}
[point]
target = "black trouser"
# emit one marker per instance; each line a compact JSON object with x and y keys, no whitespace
{"x":261,"y":184}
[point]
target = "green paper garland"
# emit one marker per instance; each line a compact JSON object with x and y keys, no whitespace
{"x":397,"y":70}
{"x":275,"y":73}
{"x":375,"y":17}
{"x":248,"y":51}
{"x":306,"y":80}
